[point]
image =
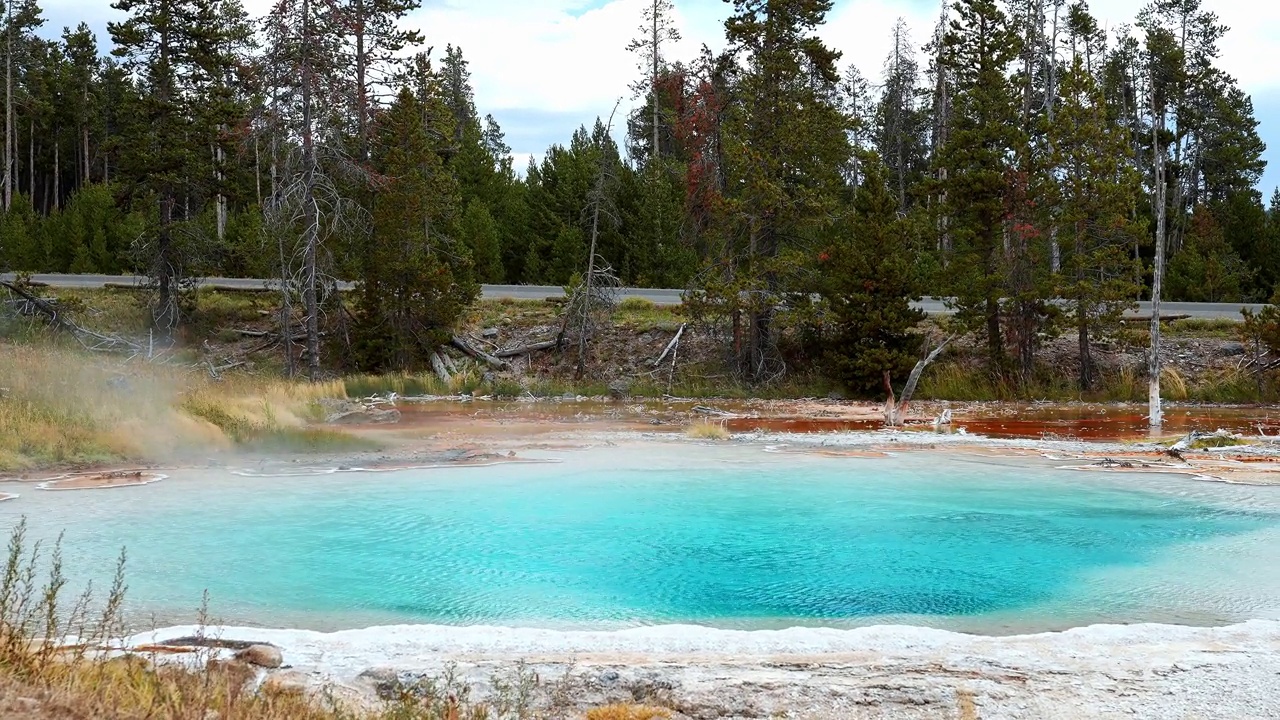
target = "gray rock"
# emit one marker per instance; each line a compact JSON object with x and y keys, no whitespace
{"x":619,"y":389}
{"x":1232,"y":349}
{"x":267,"y":656}
{"x":489,"y":332}
{"x":289,"y":682}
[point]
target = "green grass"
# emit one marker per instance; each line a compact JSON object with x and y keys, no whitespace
{"x":641,"y":315}
{"x":1215,"y":441}
{"x":1218,"y":328}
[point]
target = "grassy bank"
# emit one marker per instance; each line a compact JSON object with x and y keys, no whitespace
{"x":61,"y":406}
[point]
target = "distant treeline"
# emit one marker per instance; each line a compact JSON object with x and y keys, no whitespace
{"x":1018,"y":155}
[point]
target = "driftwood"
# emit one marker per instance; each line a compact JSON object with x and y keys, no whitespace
{"x":441,"y":371}
{"x":896,"y":412}
{"x":215,"y":372}
{"x":477,"y":353}
{"x":527,"y":349}
{"x":675,"y":342}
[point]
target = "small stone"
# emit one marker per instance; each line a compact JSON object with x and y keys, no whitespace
{"x":267,"y":656}
{"x":489,"y":332}
{"x":289,"y":682}
{"x":1233,"y":349}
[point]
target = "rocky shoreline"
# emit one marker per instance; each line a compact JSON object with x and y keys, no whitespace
{"x":1104,"y":671}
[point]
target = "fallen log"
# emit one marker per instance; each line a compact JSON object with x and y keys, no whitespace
{"x":41,"y":305}
{"x":477,"y":353}
{"x":527,"y":349}
{"x":675,"y":341}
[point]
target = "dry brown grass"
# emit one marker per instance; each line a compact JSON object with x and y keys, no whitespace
{"x":707,"y":430}
{"x":628,"y":712}
{"x":965,"y":702}
{"x":1172,"y":385}
{"x":62,"y":407}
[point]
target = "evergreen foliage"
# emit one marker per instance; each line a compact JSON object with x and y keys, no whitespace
{"x":1009,"y":166}
{"x":867,"y":280}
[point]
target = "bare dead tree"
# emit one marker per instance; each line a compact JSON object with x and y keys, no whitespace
{"x":592,"y":301}
{"x":896,"y":411}
{"x":1155,"y":414}
{"x":305,"y":208}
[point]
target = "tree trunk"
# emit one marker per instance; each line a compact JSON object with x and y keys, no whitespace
{"x":10,"y":144}
{"x":995,"y":341}
{"x":84,"y":135}
{"x":57,"y":179}
{"x":220,"y":200}
{"x":166,"y":313}
{"x":311,"y":235}
{"x":362,"y":70}
{"x":1155,"y":415}
{"x":1082,"y":315}
{"x":1086,"y":352}
{"x":655,"y":152}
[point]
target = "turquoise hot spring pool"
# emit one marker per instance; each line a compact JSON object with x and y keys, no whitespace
{"x":734,"y":537}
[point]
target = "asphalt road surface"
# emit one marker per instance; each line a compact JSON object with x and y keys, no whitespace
{"x":933,"y":306}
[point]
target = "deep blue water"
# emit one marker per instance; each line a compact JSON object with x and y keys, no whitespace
{"x":660,"y":534}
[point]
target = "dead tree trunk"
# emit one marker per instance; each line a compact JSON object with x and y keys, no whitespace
{"x":10,"y":145}
{"x":896,"y":414}
{"x":311,"y":236}
{"x":1155,"y":415}
{"x":588,"y":302}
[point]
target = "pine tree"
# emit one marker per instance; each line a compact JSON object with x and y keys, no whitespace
{"x":479,"y":233}
{"x":419,"y":279}
{"x":371,"y":54}
{"x":1207,"y":269}
{"x":867,"y":280}
{"x":656,"y":31}
{"x":81,"y":50}
{"x":900,"y":125}
{"x":1098,"y":188}
{"x":982,"y":136}
{"x":21,"y":19}
{"x":785,"y":144}
{"x":178,"y":50}
{"x":306,"y":208}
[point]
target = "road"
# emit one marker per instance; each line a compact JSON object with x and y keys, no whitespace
{"x":1206,"y":311}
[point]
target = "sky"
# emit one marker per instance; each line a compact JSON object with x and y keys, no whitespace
{"x":544,"y":67}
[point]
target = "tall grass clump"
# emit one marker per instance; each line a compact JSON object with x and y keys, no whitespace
{"x":61,"y":406}
{"x":707,"y":430}
{"x":403,"y":384}
{"x":57,"y":407}
{"x":273,"y":417}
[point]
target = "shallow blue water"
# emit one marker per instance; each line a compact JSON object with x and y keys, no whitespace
{"x":670,"y":534}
